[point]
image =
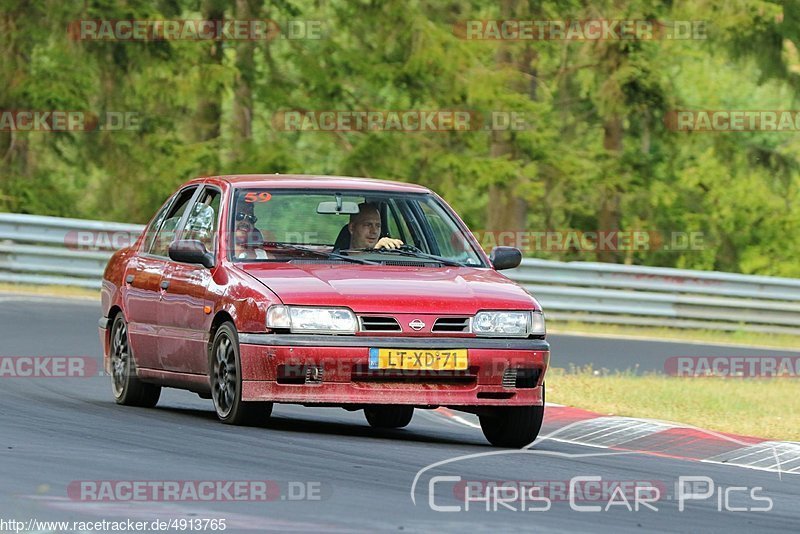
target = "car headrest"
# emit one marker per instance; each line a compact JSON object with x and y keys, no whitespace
{"x":343,"y":239}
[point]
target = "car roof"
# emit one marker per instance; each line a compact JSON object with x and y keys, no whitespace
{"x":302,"y":181}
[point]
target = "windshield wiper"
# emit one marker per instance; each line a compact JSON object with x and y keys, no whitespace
{"x":327,"y":255}
{"x":418,"y":254}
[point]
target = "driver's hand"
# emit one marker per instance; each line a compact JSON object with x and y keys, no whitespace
{"x":389,"y":243}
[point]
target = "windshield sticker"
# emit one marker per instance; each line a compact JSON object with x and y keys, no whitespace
{"x":257,"y":197}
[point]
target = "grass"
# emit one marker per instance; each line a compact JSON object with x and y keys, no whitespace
{"x":766,"y":408}
{"x":780,"y":341}
{"x":50,"y":291}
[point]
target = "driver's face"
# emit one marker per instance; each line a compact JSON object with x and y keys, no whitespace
{"x":365,"y":230}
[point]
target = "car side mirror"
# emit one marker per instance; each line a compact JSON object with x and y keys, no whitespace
{"x":505,"y":258}
{"x":191,"y":251}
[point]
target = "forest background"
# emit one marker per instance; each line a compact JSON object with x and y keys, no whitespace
{"x":596,"y":152}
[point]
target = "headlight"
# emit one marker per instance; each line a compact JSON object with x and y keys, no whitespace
{"x":508,"y":323}
{"x":312,"y":320}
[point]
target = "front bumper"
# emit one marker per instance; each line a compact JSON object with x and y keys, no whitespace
{"x":324,"y":369}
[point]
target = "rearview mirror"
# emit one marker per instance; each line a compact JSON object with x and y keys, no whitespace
{"x":505,"y":258}
{"x":337,"y":208}
{"x":191,"y":251}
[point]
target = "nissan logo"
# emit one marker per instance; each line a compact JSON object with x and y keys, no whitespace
{"x":416,"y":324}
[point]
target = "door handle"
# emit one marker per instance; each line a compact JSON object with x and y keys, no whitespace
{"x":165,"y":284}
{"x":129,"y":279}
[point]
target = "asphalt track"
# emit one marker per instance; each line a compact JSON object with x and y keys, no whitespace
{"x":54,"y":431}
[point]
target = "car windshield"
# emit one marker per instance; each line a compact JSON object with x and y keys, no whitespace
{"x":347,"y":226}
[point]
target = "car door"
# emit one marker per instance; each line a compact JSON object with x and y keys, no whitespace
{"x":185,"y":308}
{"x":143,"y":278}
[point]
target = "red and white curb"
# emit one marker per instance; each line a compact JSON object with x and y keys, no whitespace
{"x":660,"y":438}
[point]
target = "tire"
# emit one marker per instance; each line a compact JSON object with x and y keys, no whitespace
{"x":389,"y":416}
{"x":225,"y":374}
{"x":515,"y":426}
{"x":128,"y":390}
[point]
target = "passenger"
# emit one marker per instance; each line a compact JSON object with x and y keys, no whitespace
{"x":246,"y":239}
{"x":365,"y":229}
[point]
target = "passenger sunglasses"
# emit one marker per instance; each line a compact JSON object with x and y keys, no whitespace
{"x":246,"y":217}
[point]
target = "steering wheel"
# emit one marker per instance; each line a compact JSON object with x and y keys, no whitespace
{"x":409,"y":248}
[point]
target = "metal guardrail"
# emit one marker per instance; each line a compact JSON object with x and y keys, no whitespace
{"x":659,"y":296}
{"x":51,"y":250}
{"x":43,"y":250}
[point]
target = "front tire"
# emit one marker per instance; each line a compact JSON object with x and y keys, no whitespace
{"x":514,"y":426}
{"x":127,"y":388}
{"x":389,"y":416}
{"x":225,"y":373}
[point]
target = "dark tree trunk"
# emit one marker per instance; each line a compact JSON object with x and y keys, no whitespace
{"x":508,"y":209}
{"x":209,"y":109}
{"x":243,"y":88}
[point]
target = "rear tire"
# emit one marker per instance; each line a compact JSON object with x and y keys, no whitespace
{"x":128,"y":390}
{"x":389,"y":416}
{"x":225,"y":374}
{"x":515,"y":426}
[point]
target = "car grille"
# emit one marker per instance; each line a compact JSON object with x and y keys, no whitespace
{"x":510,"y":378}
{"x":451,"y":324}
{"x":379,"y":324}
{"x":521,"y":378}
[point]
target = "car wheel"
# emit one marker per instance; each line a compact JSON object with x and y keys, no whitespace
{"x":515,"y":426}
{"x":389,"y":416}
{"x":127,"y":388}
{"x":225,"y":373}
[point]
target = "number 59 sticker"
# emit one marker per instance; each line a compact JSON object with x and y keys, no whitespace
{"x":257,"y":197}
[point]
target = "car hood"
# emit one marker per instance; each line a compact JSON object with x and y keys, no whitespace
{"x":383,"y":289}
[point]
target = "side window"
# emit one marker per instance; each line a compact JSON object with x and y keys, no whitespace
{"x":150,"y":233}
{"x":166,"y":234}
{"x":202,"y":221}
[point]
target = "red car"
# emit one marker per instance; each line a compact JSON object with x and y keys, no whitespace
{"x":323,"y":291}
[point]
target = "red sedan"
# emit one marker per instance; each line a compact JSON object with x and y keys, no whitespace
{"x":323,"y":291}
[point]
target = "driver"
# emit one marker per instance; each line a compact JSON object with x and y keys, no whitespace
{"x":365,"y":229}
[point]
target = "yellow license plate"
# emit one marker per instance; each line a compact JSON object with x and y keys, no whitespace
{"x":435,"y":360}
